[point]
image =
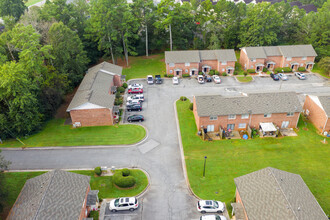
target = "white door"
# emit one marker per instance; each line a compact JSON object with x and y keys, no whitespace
{"x":285,"y":124}
{"x":210,"y":128}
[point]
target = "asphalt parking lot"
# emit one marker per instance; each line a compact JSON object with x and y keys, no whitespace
{"x":124,"y":215}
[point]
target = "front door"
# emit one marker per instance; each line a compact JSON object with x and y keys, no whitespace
{"x":258,"y":68}
{"x":230,"y":126}
{"x":285,"y":124}
{"x":268,"y":65}
{"x":177,"y":73}
{"x":193,"y":72}
{"x":210,"y":128}
{"x":205,"y":69}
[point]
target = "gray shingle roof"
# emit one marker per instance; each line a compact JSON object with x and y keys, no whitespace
{"x":277,"y":194}
{"x":92,"y":197}
{"x":258,"y":103}
{"x":195,"y":56}
{"x":325,"y":102}
{"x":95,"y":86}
{"x":308,"y":8}
{"x":286,"y":51}
{"x":54,"y":195}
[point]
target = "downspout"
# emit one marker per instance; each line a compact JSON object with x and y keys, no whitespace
{"x":325,"y":125}
{"x":298,"y":120}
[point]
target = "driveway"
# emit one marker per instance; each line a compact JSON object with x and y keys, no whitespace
{"x":168,"y":196}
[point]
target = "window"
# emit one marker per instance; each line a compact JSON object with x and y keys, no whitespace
{"x":267,"y":115}
{"x":251,"y":66}
{"x":223,"y":69}
{"x":171,"y":71}
{"x":301,"y":64}
{"x":289,"y":58}
{"x":289,"y":114}
{"x":187,"y":64}
{"x":304,"y":58}
{"x":231,"y":116}
{"x":242,"y":125}
{"x":213,"y":117}
{"x":245,"y":116}
{"x":171,"y":64}
{"x":253,"y":60}
{"x":224,"y":63}
{"x":286,"y":65}
{"x":186,"y":71}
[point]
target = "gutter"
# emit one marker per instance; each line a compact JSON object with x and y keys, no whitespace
{"x":325,"y":124}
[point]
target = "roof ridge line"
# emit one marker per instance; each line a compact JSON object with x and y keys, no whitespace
{"x":283,"y":191}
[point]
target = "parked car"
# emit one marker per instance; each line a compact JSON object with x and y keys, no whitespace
{"x":282,"y":76}
{"x":213,"y":217}
{"x":175,"y":80}
{"x":208,"y":79}
{"x":135,"y":91}
{"x":125,"y":203}
{"x":150,"y":79}
{"x":204,"y":206}
{"x":135,"y":85}
{"x":159,"y":79}
{"x":200,"y":79}
{"x":135,"y":107}
{"x":275,"y":77}
{"x":133,"y":102}
{"x":139,"y":97}
{"x":135,"y":118}
{"x":300,"y":75}
{"x":216,"y":79}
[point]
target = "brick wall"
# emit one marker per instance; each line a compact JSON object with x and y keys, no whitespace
{"x":244,"y":60}
{"x":197,"y":121}
{"x":212,"y":63}
{"x":229,"y":64}
{"x":84,"y":208}
{"x":117,"y":81}
{"x":239,"y":200}
{"x":316,"y":115}
{"x":277,"y":59}
{"x":299,"y":60}
{"x":183,"y":67}
{"x":92,"y":117}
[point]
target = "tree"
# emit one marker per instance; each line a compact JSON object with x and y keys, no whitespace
{"x":68,"y":52}
{"x":13,"y":8}
{"x":325,"y":64}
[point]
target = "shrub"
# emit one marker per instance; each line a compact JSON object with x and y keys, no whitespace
{"x":235,"y":72}
{"x":186,"y":75}
{"x":245,"y":73}
{"x":191,"y":106}
{"x":212,"y":72}
{"x":125,"y":172}
{"x":120,"y":112}
{"x":200,"y":73}
{"x":125,"y":85}
{"x":287,"y":69}
{"x":278,"y":70}
{"x":301,"y":69}
{"x":123,"y":181}
{"x":264,"y":69}
{"x":268,"y":72}
{"x":224,"y":74}
{"x":165,"y":75}
{"x":119,"y":101}
{"x":183,"y":98}
{"x":118,"y":95}
{"x":251,"y":70}
{"x":121,"y":89}
{"x":98,"y":171}
{"x":216,"y":72}
{"x":94,"y":215}
{"x":170,"y":75}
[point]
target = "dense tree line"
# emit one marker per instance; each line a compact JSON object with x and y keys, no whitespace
{"x":44,"y":52}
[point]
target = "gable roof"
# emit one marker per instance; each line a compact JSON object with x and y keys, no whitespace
{"x":95,"y":87}
{"x":54,"y":195}
{"x":308,"y":8}
{"x":277,"y":194}
{"x":196,"y":56}
{"x":286,"y":51}
{"x":256,"y":103}
{"x":323,"y":101}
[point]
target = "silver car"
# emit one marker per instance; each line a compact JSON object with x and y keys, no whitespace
{"x":121,"y":204}
{"x":175,"y":80}
{"x":282,"y":76}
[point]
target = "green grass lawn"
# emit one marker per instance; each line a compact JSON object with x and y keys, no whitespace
{"x":316,"y":69}
{"x":228,"y":159}
{"x":55,"y":133}
{"x":31,"y":2}
{"x":244,"y":78}
{"x":142,"y":66}
{"x":14,"y":182}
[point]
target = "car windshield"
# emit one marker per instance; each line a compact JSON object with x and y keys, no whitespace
{"x":216,"y":205}
{"x":116,"y":202}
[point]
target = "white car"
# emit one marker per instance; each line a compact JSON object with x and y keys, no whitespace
{"x":282,"y":76}
{"x":135,"y":86}
{"x":204,"y":206}
{"x":200,"y":79}
{"x":175,"y":80}
{"x":150,"y":79}
{"x":125,"y":203}
{"x":216,"y":79}
{"x":300,"y":75}
{"x":133,"y":102}
{"x":213,"y":217}
{"x":139,"y":97}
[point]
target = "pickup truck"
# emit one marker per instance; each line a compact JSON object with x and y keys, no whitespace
{"x":158,"y":79}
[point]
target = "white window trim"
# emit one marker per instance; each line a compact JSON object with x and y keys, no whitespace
{"x":171,"y":71}
{"x":186,"y":71}
{"x":231,"y":116}
{"x":290,"y":114}
{"x":224,"y":63}
{"x":245,"y":116}
{"x":254,"y":60}
{"x":171,"y":64}
{"x":213,"y":118}
{"x":304,"y":58}
{"x":289,"y":58}
{"x":187,"y":64}
{"x":239,"y":125}
{"x":268,"y":115}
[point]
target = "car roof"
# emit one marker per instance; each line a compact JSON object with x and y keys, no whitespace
{"x":206,"y":202}
{"x":127,"y":199}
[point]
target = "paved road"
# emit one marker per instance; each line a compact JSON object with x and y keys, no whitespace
{"x":168,"y":196}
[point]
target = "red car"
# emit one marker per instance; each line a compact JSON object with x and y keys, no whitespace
{"x":135,"y":91}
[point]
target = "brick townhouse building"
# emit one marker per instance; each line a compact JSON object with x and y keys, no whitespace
{"x":274,"y":194}
{"x":193,"y":61}
{"x":317,"y":110}
{"x":271,"y":57}
{"x":93,"y":103}
{"x":236,"y":113}
{"x":54,"y":195}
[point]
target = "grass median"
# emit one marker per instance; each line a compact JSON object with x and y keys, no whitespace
{"x":227,"y":159}
{"x":55,"y":133}
{"x":244,"y":78}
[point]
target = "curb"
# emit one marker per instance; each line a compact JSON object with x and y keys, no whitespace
{"x":184,"y":167}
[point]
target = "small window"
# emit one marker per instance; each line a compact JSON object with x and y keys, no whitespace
{"x":231,"y":116}
{"x":171,"y":71}
{"x":213,"y":117}
{"x":253,"y":60}
{"x":245,"y":116}
{"x":267,"y":115}
{"x":251,"y":66}
{"x":286,"y":65}
{"x":304,"y":58}
{"x":242,"y":125}
{"x":187,"y":64}
{"x":186,"y":71}
{"x":301,"y":64}
{"x":171,"y":64}
{"x":289,"y":114}
{"x":223,"y":69}
{"x":224,"y":63}
{"x":289,"y":58}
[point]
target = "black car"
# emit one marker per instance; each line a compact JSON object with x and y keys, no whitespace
{"x":135,"y":107}
{"x":208,"y":79}
{"x":135,"y":118}
{"x":275,"y":77}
